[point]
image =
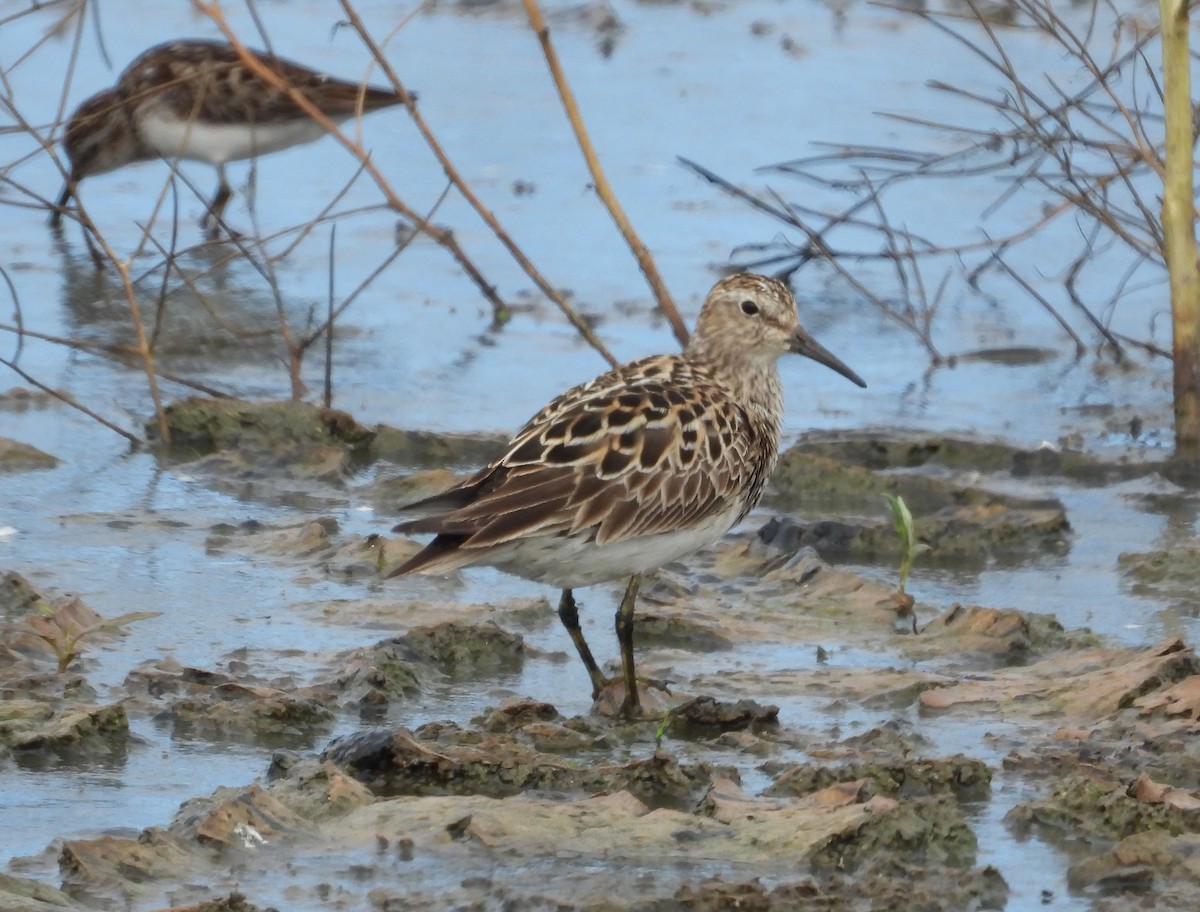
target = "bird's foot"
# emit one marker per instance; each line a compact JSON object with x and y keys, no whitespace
{"x":215,"y":233}
{"x":653,"y":698}
{"x":215,"y":228}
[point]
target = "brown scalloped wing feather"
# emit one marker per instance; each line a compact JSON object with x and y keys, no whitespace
{"x":652,"y":448}
{"x":208,"y":81}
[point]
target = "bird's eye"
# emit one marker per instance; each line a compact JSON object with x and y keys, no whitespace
{"x":749,"y":308}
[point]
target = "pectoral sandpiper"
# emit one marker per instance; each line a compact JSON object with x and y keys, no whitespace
{"x":643,"y":465}
{"x":198,"y":100}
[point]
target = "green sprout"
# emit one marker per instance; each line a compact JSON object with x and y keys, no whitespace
{"x":663,"y":726}
{"x":910,"y":548}
{"x":906,"y":531}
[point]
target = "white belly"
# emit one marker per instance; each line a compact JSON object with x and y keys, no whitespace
{"x":220,"y":143}
{"x":570,"y":563}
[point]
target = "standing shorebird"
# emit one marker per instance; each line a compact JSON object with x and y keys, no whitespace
{"x":641,"y":466}
{"x":198,"y":100}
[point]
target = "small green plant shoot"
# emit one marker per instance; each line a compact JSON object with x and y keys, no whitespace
{"x":906,"y":532}
{"x":663,"y":726}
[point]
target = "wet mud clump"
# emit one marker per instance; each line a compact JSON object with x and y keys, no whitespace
{"x":205,"y":425}
{"x":49,"y":713}
{"x":742,"y":792}
{"x":884,"y":449}
{"x":449,"y":795}
{"x":964,"y":778}
{"x":397,"y":669}
{"x":441,"y":760}
{"x":21,"y":457}
{"x":227,"y":706}
{"x":888,"y":885}
{"x":959,"y":523}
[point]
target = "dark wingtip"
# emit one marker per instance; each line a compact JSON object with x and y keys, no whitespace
{"x":423,"y":525}
{"x":427,"y":555}
{"x":377,"y":97}
{"x":406,"y":567}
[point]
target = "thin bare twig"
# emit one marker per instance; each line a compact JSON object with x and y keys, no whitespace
{"x":143,"y":349}
{"x":328,"y":392}
{"x":603,"y":189}
{"x":468,"y":194}
{"x":814,"y":248}
{"x":1049,"y":308}
{"x":387,"y":261}
{"x":119,"y":353}
{"x":17,"y":314}
{"x":71,"y":401}
{"x":1089,"y":149}
{"x":442,"y":236}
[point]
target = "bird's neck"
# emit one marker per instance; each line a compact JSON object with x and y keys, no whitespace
{"x":752,"y":382}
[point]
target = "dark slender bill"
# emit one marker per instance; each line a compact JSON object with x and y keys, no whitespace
{"x":804,"y":344}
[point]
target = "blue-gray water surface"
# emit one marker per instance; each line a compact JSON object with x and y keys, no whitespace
{"x":732,"y":86}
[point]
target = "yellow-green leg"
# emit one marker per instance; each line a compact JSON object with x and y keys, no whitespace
{"x":213,"y":218}
{"x":631,"y":706}
{"x":568,"y":613}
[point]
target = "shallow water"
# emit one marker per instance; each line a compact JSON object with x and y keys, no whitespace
{"x":128,"y":533}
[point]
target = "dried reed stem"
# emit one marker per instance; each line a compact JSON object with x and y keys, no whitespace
{"x":468,"y":194}
{"x":603,"y":189}
{"x":441,"y":235}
